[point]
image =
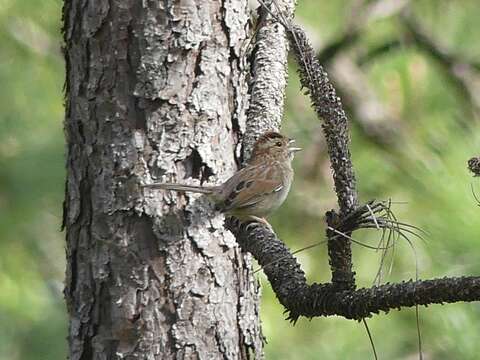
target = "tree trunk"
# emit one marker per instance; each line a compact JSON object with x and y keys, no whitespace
{"x":155,"y":90}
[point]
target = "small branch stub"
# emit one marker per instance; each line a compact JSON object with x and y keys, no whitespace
{"x":474,"y":166}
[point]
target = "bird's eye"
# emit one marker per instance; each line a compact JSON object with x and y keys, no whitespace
{"x":278,"y":143}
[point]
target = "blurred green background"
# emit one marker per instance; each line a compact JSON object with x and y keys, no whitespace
{"x":409,"y":75}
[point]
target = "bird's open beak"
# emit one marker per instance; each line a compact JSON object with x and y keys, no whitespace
{"x":293,"y":149}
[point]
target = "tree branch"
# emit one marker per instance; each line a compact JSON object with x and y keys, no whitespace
{"x":339,"y":297}
{"x":269,"y":77}
{"x":300,"y":299}
{"x":328,"y":107}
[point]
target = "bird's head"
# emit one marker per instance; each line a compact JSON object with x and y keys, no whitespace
{"x":273,"y":144}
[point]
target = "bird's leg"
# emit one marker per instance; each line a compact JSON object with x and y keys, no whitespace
{"x":258,"y":220}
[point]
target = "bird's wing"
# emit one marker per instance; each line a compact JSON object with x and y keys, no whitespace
{"x":250,"y":186}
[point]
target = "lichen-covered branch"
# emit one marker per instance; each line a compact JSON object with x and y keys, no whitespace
{"x":300,"y":299}
{"x":269,"y":76}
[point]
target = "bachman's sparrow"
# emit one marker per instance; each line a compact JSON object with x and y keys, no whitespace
{"x":256,"y":190}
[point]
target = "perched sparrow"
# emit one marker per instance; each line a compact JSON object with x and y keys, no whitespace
{"x":258,"y":189}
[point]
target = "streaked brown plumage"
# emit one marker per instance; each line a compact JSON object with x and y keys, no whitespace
{"x":256,"y":190}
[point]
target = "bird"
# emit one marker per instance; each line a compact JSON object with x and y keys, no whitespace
{"x":256,"y":190}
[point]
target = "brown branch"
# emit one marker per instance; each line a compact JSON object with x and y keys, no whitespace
{"x":340,"y":297}
{"x":300,"y":299}
{"x":328,"y":107}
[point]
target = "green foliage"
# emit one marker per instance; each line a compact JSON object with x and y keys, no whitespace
{"x":424,"y":170}
{"x":32,"y":311}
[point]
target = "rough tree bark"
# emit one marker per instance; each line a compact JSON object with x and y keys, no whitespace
{"x":154,"y":90}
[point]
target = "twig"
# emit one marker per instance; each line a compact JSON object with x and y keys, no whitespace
{"x":370,"y":338}
{"x":475,"y":196}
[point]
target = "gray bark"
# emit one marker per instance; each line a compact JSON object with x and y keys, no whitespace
{"x":154,"y":91}
{"x":269,"y":75}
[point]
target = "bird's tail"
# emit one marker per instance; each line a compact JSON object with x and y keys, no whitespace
{"x":180,"y":187}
